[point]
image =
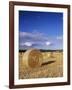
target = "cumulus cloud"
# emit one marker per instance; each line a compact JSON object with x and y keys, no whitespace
{"x":48,"y":43}
{"x":33,"y":39}
{"x":33,"y":35}
{"x":26,"y":44}
{"x":25,"y":34}
{"x":59,"y":37}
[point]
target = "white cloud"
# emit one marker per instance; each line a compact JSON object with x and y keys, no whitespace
{"x":26,"y":44}
{"x":48,"y":43}
{"x":34,"y":34}
{"x":25,"y":34}
{"x":33,"y":39}
{"x":59,"y":37}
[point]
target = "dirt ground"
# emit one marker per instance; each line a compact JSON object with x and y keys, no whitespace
{"x":52,"y":66}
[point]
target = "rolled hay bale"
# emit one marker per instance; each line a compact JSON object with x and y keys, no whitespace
{"x":48,"y":56}
{"x":32,"y":58}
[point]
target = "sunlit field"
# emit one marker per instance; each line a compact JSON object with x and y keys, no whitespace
{"x":52,"y":66}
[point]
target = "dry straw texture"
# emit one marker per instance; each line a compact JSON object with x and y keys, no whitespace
{"x":32,"y":58}
{"x":52,"y":65}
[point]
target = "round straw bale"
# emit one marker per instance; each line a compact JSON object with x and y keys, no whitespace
{"x":32,"y":58}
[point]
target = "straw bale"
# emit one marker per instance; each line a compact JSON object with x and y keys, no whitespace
{"x":32,"y":58}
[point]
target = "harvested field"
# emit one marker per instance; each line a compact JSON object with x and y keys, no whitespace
{"x":52,"y":66}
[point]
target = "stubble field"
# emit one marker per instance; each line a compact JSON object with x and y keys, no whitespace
{"x":52,"y":66}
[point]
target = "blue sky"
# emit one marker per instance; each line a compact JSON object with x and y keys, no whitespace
{"x":41,"y":30}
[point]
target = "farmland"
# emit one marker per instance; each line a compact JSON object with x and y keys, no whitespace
{"x":52,"y":66}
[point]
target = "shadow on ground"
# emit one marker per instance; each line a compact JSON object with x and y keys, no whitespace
{"x":49,"y":62}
